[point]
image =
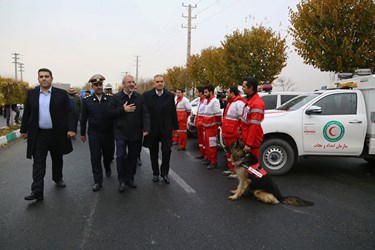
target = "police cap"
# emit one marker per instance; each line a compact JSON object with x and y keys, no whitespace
{"x":97,"y":78}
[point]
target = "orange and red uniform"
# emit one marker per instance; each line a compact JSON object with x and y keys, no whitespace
{"x":183,"y":109}
{"x":199,"y":125}
{"x":251,"y":129}
{"x":231,"y":123}
{"x":211,"y":121}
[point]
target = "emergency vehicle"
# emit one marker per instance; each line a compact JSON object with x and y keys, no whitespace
{"x":338,"y":121}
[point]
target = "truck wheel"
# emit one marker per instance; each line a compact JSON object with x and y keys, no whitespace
{"x":277,"y":156}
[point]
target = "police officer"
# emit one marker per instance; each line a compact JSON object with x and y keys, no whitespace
{"x":108,"y":89}
{"x":100,"y":130}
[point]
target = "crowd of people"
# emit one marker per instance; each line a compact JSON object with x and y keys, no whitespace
{"x":125,"y":121}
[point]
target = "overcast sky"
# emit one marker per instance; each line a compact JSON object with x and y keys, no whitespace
{"x":79,"y":38}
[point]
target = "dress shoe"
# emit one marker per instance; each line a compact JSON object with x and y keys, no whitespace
{"x":181,"y":149}
{"x":96,"y":187}
{"x":34,"y":196}
{"x":131,"y":184}
{"x":166,"y":179}
{"x":60,"y":184}
{"x":212,"y":166}
{"x":121,"y":187}
{"x":206,"y":162}
{"x":155,"y":178}
{"x":139,"y":162}
{"x":201,"y":157}
{"x":108,"y":172}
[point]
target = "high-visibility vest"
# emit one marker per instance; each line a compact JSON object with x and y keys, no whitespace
{"x":212,"y":113}
{"x":183,"y":109}
{"x":231,"y":118}
{"x":200,"y":110}
{"x":252,"y":116}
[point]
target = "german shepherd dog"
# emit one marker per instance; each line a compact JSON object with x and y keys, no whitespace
{"x":264,"y":189}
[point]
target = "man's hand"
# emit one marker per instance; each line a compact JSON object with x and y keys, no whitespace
{"x":145,"y":133}
{"x":24,"y":136}
{"x":246,"y":149}
{"x":129,"y":108}
{"x":71,"y":134}
{"x":83,"y":138}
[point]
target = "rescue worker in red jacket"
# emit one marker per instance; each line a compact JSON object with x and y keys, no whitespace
{"x":231,"y":124}
{"x":211,"y":121}
{"x":183,"y":109}
{"x":199,"y":122}
{"x":251,"y":129}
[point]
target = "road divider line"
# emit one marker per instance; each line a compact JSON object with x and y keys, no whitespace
{"x":88,"y":225}
{"x":177,"y":178}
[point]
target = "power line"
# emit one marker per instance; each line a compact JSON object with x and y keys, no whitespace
{"x":208,"y":7}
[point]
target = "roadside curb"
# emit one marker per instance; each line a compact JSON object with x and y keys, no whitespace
{"x":9,"y":137}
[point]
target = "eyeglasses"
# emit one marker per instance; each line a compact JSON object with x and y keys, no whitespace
{"x":159,"y":81}
{"x":97,"y":84}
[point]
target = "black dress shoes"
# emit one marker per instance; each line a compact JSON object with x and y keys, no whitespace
{"x":139,"y":162}
{"x":155,"y":178}
{"x":108,"y":172}
{"x":201,"y":157}
{"x":60,"y":184}
{"x":166,"y":179}
{"x":131,"y":184}
{"x":121,"y":187}
{"x":96,"y":187}
{"x":34,"y":196}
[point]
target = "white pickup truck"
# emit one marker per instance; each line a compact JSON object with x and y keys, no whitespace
{"x":339,"y":121}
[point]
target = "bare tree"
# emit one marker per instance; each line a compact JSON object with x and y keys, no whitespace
{"x":286,"y":84}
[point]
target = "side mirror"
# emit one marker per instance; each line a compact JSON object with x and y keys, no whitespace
{"x":313,"y":110}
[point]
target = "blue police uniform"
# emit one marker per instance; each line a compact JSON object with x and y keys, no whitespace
{"x":100,"y":134}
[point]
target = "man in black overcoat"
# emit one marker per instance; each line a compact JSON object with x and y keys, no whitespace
{"x":161,"y":105}
{"x":48,"y":125}
{"x":132,"y":122}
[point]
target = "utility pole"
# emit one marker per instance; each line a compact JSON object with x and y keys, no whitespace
{"x":16,"y":57}
{"x":189,"y":27}
{"x":21,"y":68}
{"x":136,"y":68}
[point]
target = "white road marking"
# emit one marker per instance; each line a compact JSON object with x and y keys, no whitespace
{"x":177,"y":178}
{"x":88,"y":224}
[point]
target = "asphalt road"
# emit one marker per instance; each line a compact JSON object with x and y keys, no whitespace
{"x":193,"y":212}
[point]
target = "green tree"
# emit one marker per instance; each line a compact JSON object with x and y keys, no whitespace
{"x":213,"y":62}
{"x":177,"y":77}
{"x":258,"y":52}
{"x":13,"y":92}
{"x":196,"y":70}
{"x":335,"y":35}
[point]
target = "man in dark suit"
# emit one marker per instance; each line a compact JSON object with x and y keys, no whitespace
{"x":132,"y":122}
{"x":160,"y":104}
{"x":48,"y":125}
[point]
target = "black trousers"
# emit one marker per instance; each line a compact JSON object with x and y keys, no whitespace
{"x":166,"y":144}
{"x":45,"y":142}
{"x":100,"y":145}
{"x":126,"y":159}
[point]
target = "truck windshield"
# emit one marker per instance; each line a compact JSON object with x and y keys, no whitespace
{"x":298,"y":102}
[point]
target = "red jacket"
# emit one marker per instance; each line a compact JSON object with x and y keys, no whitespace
{"x":199,"y":117}
{"x":252,"y":116}
{"x":212,"y":113}
{"x":231,"y":119}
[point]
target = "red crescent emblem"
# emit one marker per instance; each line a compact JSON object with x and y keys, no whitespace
{"x":330,"y":131}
